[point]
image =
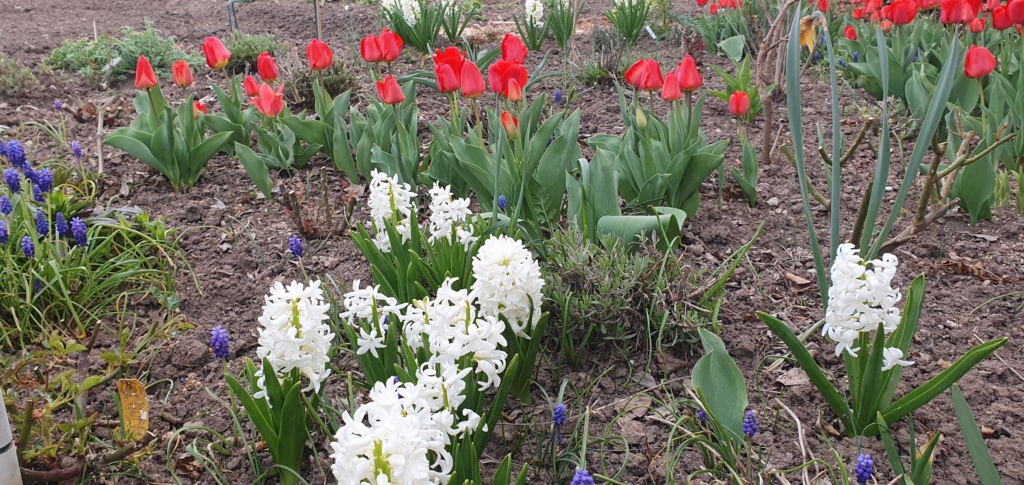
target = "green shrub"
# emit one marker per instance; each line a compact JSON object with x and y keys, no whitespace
{"x":15,"y":79}
{"x":335,"y":80}
{"x":111,"y":58}
{"x":246,"y":48}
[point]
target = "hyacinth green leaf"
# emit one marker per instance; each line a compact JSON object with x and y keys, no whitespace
{"x":902,"y":336}
{"x":720,"y":383}
{"x":983,"y":464}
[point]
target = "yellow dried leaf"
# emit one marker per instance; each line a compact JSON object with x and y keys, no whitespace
{"x":134,"y":407}
{"x":808,"y":32}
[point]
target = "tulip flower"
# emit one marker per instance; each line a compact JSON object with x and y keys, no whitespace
{"x":902,"y":12}
{"x":319,"y":55}
{"x":515,"y":91}
{"x":145,"y":78}
{"x":851,"y":33}
{"x":266,"y":67}
{"x":268,"y":102}
{"x":447,"y":80}
{"x":501,"y":72}
{"x":511,"y":125}
{"x":513,"y":49}
{"x":1001,"y":18}
{"x":959,"y":11}
{"x":977,"y":25}
{"x":713,"y":9}
{"x":472,"y":81}
{"x":198,"y":107}
{"x":739,"y":103}
{"x":689,"y":78}
{"x":823,"y":5}
{"x":389,"y":90}
{"x":645,"y":75}
{"x":701,"y":3}
{"x":390,"y":45}
{"x":369,"y":48}
{"x":182,"y":74}
{"x":670,"y":90}
{"x":992,"y":5}
{"x":451,"y":56}
{"x":979,"y":62}
{"x":733,"y":4}
{"x":217,"y":56}
{"x":1015,"y":8}
{"x":250,"y":87}
{"x":858,"y":13}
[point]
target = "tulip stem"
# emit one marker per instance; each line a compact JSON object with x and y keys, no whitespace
{"x":476,"y":115}
{"x":981,"y":93}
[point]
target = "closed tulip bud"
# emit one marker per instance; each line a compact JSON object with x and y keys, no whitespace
{"x":390,"y":46}
{"x":267,"y":67}
{"x":268,"y":102}
{"x":670,"y":90}
{"x":515,"y":91}
{"x":1001,"y":18}
{"x":851,"y":33}
{"x":645,"y":75}
{"x":319,"y":55}
{"x":977,"y":25}
{"x":217,"y":56}
{"x":369,"y":49}
{"x":902,"y":12}
{"x":713,"y":9}
{"x":447,"y":81}
{"x":739,"y":103}
{"x":197,"y":108}
{"x":389,"y":90}
{"x":182,"y":74}
{"x":513,"y":49}
{"x":959,"y":11}
{"x":250,"y":87}
{"x":689,"y":77}
{"x":511,"y":125}
{"x":472,"y":81}
{"x":1015,"y":9}
{"x":641,"y":119}
{"x":145,"y":78}
{"x":979,"y":62}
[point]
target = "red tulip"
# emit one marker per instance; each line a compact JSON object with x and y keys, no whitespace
{"x":319,"y":55}
{"x":369,"y":48}
{"x":727,"y":4}
{"x":515,"y":91}
{"x":959,"y":11}
{"x":1001,"y":18}
{"x":390,"y":45}
{"x":851,"y":33}
{"x":886,"y":25}
{"x":198,"y":107}
{"x":872,"y":6}
{"x":389,"y":90}
{"x":739,"y":103}
{"x":977,"y":25}
{"x":145,"y":78}
{"x":713,"y":9}
{"x":823,"y":5}
{"x":928,"y":4}
{"x":1015,"y":9}
{"x":992,"y":5}
{"x":513,"y":49}
{"x":267,"y":67}
{"x":979,"y":62}
{"x":269,"y":103}
{"x":472,"y":82}
{"x":701,"y":3}
{"x":451,"y":56}
{"x":645,"y":75}
{"x":182,"y":74}
{"x":689,"y":77}
{"x":447,"y":81}
{"x":511,"y":125}
{"x":217,"y":56}
{"x":902,"y":12}
{"x":858,"y":13}
{"x":501,"y":71}
{"x":670,"y":90}
{"x":250,"y":87}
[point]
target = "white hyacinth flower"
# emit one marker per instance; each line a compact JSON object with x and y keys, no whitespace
{"x":508,"y":282}
{"x":448,"y":215}
{"x":389,"y":201}
{"x":294,"y":333}
{"x":535,"y":12}
{"x":411,"y":11}
{"x":892,"y":357}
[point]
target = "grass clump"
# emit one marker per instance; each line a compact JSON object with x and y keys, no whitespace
{"x":15,"y":79}
{"x":335,"y":80}
{"x":246,"y":48}
{"x":110,"y":58}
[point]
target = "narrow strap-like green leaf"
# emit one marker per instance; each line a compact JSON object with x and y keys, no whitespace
{"x":983,"y":464}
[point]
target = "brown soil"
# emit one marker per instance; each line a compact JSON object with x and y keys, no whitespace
{"x":237,"y":244}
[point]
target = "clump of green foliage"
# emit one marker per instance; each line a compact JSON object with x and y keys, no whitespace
{"x":110,"y":58}
{"x":246,"y":48}
{"x":15,"y":79}
{"x":335,"y":80}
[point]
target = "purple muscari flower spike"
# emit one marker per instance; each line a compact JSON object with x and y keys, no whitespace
{"x":865,"y":468}
{"x":558,"y":417}
{"x":558,"y":97}
{"x":37,"y":193}
{"x":16,"y":154}
{"x":750,"y":424}
{"x":219,"y":342}
{"x":76,"y":149}
{"x":701,"y":415}
{"x":43,"y":178}
{"x":62,"y":225}
{"x":37,"y":285}
{"x":817,"y":56}
{"x":856,"y":57}
{"x":582,"y":477}
{"x":13,"y":180}
{"x":27,"y":247}
{"x":502,"y":202}
{"x":295,"y":246}
{"x":78,"y":231}
{"x":841,"y":63}
{"x":5,"y":205}
{"x":42,"y":223}
{"x":917,"y":52}
{"x":4,"y":236}
{"x":57,"y":105}
{"x":3,"y":149}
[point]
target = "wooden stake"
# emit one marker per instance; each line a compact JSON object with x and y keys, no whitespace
{"x":316,"y":16}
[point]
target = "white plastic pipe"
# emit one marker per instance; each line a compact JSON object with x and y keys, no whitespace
{"x":10,"y":474}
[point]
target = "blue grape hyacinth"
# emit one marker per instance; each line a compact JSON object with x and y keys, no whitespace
{"x":42,"y":223}
{"x":43,"y":178}
{"x":16,"y":154}
{"x":502,"y":202}
{"x":76,"y":149}
{"x":62,"y":225}
{"x":295,"y":246}
{"x":750,"y":424}
{"x":865,"y":468}
{"x":856,"y":57}
{"x":5,"y":205}
{"x":558,"y":416}
{"x":78,"y":230}
{"x":219,"y":342}
{"x":558,"y":97}
{"x":57,"y":105}
{"x":4,"y":237}
{"x":28,"y":247}
{"x":13,"y":180}
{"x":582,"y":477}
{"x":701,"y":415}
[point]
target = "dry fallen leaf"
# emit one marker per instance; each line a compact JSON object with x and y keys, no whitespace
{"x":793,"y":377}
